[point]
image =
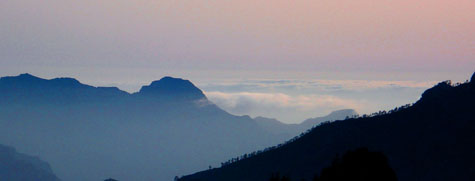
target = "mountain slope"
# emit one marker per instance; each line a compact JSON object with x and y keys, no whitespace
{"x":90,"y":133}
{"x":20,"y":167}
{"x":335,"y":115}
{"x":431,"y":140}
{"x":288,"y":131}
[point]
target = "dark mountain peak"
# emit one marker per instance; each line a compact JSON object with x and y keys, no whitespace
{"x":27,"y":80}
{"x":26,"y":75}
{"x":66,"y":81}
{"x":173,"y":82}
{"x":22,"y":80}
{"x":57,"y":90}
{"x":447,"y":93}
{"x":169,"y":87}
{"x":21,"y":77}
{"x":437,"y":92}
{"x":472,"y":80}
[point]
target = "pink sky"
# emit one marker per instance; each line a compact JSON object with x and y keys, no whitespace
{"x":334,"y":35}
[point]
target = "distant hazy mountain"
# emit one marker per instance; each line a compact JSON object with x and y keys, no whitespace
{"x":430,"y":140}
{"x":335,"y":115}
{"x":168,"y":128}
{"x":287,"y":131}
{"x":20,"y":167}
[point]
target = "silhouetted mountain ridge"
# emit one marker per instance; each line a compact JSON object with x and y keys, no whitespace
{"x":27,"y":80}
{"x":288,"y":131}
{"x":14,"y":89}
{"x":169,"y":126}
{"x":172,"y":88}
{"x":334,"y":115}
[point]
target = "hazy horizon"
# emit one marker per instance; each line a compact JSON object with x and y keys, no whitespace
{"x":217,"y":43}
{"x":289,"y":100}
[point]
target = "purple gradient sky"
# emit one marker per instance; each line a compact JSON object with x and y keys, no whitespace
{"x":128,"y":43}
{"x":422,"y":36}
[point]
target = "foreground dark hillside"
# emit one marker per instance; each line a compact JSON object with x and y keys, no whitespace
{"x":430,"y":140}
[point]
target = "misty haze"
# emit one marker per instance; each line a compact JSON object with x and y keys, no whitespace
{"x":119,"y":90}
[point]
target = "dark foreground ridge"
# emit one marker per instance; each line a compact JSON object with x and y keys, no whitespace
{"x":429,"y":140}
{"x":360,"y":164}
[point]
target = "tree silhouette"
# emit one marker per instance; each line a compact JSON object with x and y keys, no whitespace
{"x":359,"y":164}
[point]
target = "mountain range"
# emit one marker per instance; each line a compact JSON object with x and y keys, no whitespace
{"x":165,"y":129}
{"x":432,"y":139}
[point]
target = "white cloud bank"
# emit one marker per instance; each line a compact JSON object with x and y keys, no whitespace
{"x":295,"y":100}
{"x":285,"y":107}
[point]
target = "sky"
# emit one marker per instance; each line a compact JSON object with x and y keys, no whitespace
{"x":283,"y":59}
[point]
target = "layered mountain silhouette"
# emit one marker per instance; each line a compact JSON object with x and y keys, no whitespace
{"x":90,"y":133}
{"x":432,"y":139}
{"x":17,"y":166}
{"x":287,"y":131}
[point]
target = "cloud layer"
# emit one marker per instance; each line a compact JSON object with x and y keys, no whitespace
{"x":279,"y":105}
{"x":293,"y":101}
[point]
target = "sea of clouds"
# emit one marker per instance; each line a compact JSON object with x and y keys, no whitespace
{"x":293,"y":101}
